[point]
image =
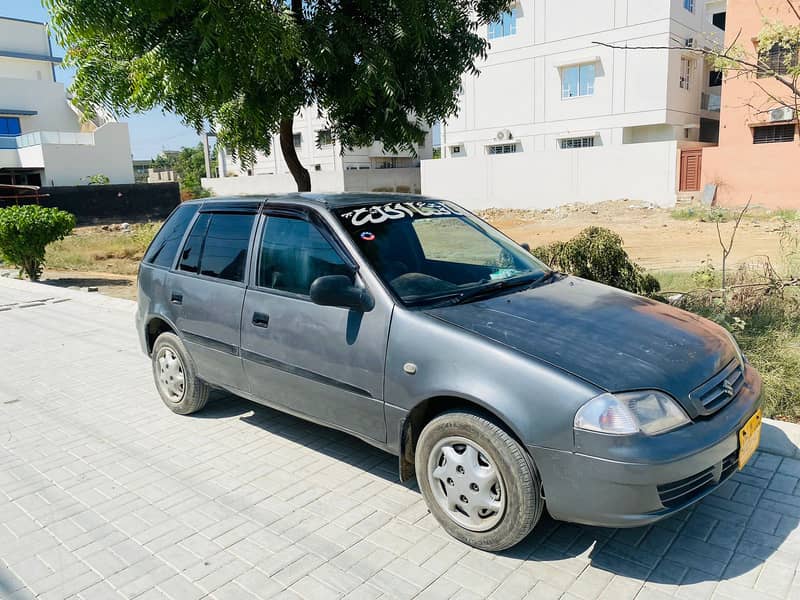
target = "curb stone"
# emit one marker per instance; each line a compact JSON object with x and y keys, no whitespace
{"x":777,"y":437}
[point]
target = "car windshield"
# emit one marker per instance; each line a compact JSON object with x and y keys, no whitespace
{"x":430,"y":251}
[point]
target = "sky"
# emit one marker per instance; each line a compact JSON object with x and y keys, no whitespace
{"x":150,"y":132}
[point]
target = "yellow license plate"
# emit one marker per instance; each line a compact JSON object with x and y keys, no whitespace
{"x":749,"y":437}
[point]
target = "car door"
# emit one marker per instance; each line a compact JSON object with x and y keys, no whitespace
{"x":321,"y":361}
{"x":207,"y":289}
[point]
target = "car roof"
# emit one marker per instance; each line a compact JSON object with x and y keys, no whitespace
{"x":329,"y":201}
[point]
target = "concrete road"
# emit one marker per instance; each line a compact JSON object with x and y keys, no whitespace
{"x":104,"y":493}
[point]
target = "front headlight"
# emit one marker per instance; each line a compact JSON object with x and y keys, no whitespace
{"x":649,"y":411}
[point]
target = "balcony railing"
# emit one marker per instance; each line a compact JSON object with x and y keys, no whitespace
{"x":711,"y":102}
{"x":40,"y":138}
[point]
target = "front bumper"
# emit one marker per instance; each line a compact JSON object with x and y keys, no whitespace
{"x":616,"y":481}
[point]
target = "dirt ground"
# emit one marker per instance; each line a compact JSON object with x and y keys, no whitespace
{"x":652,"y":237}
{"x":110,"y":284}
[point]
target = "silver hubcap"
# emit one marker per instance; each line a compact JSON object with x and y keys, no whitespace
{"x":466,"y":484}
{"x":170,"y":374}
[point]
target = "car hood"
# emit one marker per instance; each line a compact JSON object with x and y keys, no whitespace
{"x":613,"y":339}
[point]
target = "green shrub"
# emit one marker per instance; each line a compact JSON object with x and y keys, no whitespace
{"x":25,"y":232}
{"x":597,"y":254}
{"x":711,"y":214}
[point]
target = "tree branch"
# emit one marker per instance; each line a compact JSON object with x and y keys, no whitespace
{"x":758,"y":67}
{"x":794,"y":10}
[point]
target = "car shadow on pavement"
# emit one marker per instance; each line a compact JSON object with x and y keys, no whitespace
{"x":731,"y":534}
{"x":331,"y":442}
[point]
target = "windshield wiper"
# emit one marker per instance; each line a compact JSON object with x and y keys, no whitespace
{"x":461,"y":297}
{"x":489,"y":289}
{"x":500,"y":286}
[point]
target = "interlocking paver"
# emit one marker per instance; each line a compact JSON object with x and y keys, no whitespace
{"x":104,"y":493}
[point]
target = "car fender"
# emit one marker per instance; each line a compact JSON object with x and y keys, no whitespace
{"x":428,"y":358}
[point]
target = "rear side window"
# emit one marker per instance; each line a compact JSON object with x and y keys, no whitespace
{"x":217,"y":246}
{"x":190,"y":257}
{"x":162,"y":251}
{"x":225,"y":248}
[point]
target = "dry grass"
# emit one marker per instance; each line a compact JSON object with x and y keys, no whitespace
{"x":95,"y":249}
{"x":768,"y":333}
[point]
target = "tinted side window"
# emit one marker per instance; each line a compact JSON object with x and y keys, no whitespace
{"x":190,"y":257}
{"x":225,"y":248}
{"x":162,"y":251}
{"x":293,"y":254}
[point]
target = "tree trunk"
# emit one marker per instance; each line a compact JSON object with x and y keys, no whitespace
{"x":298,"y":171}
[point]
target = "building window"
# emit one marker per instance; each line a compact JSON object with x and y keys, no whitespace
{"x":501,"y":149}
{"x":718,"y":20}
{"x":778,"y":60}
{"x":455,"y":150}
{"x":714,"y":78}
{"x":324,"y":137}
{"x":688,"y":5}
{"x":772,"y":134}
{"x":504,"y":26}
{"x":318,"y":167}
{"x":297,"y":138}
{"x":687,"y":68}
{"x":577,"y":80}
{"x":576,"y":142}
{"x":9,"y":126}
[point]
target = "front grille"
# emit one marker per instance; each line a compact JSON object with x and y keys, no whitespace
{"x":719,"y":390}
{"x":683,"y":491}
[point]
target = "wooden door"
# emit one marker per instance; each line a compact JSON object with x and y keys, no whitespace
{"x":691,"y":164}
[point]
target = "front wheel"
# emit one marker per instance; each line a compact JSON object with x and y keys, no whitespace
{"x":176,"y":377}
{"x":478,"y":481}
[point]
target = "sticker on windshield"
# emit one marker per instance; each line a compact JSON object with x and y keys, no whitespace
{"x":503,"y":274}
{"x":367,"y":236}
{"x":381,"y":213}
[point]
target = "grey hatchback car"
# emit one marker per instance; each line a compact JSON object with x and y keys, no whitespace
{"x":503,"y":386}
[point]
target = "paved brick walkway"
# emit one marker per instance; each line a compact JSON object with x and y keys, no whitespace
{"x":104,"y":493}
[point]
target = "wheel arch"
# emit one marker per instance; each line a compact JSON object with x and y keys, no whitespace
{"x":156,"y":325}
{"x":430,"y":408}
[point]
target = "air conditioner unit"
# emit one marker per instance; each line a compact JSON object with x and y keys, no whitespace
{"x":784,"y":113}
{"x":504,"y":135}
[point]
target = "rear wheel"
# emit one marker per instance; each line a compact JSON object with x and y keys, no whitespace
{"x":176,"y":377}
{"x":478,"y":481}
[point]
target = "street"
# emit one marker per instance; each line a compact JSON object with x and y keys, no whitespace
{"x":105,"y":493}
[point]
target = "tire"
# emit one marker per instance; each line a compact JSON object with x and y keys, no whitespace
{"x":499,"y":477}
{"x":176,"y":376}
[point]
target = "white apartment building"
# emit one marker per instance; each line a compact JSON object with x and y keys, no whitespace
{"x":555,"y":117}
{"x":366,"y":169}
{"x":43,"y":138}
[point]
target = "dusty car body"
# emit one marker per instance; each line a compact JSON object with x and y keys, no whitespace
{"x":504,"y":386}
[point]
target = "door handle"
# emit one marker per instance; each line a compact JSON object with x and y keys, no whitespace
{"x":176,"y":298}
{"x":261,"y":320}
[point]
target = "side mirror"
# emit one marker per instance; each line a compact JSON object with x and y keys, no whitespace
{"x":526,"y":246}
{"x":338,"y":290}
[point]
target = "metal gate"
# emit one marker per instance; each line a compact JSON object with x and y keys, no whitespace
{"x":691,"y":165}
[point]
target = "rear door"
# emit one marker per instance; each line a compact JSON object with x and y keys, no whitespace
{"x":322,"y":361}
{"x":207,"y":290}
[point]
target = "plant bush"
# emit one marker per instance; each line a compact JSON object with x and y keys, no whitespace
{"x":25,"y":232}
{"x":597,"y":254}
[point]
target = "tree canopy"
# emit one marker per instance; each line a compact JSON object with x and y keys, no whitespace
{"x":377,"y":69}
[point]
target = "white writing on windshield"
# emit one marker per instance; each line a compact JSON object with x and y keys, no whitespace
{"x":397,"y":210}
